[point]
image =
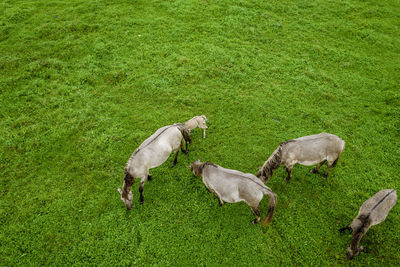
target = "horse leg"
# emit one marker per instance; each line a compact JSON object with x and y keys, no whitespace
{"x":316,"y":169}
{"x":335,"y":162}
{"x":183,"y":150}
{"x":331,"y":163}
{"x":327,"y":170}
{"x":142,"y":181}
{"x":221,"y":202}
{"x":289,"y":171}
{"x":256,"y":212}
{"x":219,"y":198}
{"x":204,"y":132}
{"x":175,"y":158}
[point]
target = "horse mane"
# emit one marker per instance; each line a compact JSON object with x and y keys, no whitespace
{"x":207,"y":163}
{"x":360,"y":230}
{"x":128,"y":182}
{"x":198,"y":168}
{"x":286,"y":142}
{"x":275,"y":159}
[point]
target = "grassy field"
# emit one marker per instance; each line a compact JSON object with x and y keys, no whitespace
{"x":83,"y":83}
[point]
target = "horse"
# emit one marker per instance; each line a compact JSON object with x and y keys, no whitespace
{"x":234,"y":186}
{"x":197,"y":121}
{"x":306,"y":150}
{"x":153,"y":152}
{"x":372,"y":212}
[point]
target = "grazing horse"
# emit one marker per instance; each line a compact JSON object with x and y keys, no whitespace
{"x":234,"y":186}
{"x":372,"y":212}
{"x":198,"y":121}
{"x":153,"y":152}
{"x":306,"y":150}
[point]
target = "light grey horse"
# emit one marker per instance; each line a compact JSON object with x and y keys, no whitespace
{"x":198,"y":121}
{"x":153,"y":152}
{"x":372,"y":212}
{"x":306,"y":150}
{"x":234,"y":186}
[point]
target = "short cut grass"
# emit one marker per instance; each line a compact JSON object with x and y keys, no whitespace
{"x":84,"y":82}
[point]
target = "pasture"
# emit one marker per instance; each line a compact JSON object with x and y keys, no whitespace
{"x":83,"y":83}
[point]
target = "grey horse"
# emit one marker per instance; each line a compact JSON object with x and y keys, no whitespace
{"x":306,"y":150}
{"x":153,"y":152}
{"x":234,"y":186}
{"x":372,"y":212}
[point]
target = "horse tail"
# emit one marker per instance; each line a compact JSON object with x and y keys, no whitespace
{"x":342,"y":145}
{"x":186,"y":134}
{"x":271,"y":208}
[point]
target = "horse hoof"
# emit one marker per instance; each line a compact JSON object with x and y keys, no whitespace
{"x":313,"y":171}
{"x":254,"y":221}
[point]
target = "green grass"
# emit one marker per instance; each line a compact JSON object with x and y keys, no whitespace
{"x":83,"y":83}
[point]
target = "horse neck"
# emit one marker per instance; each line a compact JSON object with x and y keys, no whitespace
{"x":274,"y":160}
{"x":362,"y":227}
{"x":198,"y":168}
{"x":128,"y":182}
{"x":355,"y":241}
{"x":191,"y":124}
{"x":125,"y":190}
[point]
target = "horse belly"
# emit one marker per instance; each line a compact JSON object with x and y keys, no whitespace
{"x":232,"y":197}
{"x":159,"y":158}
{"x":310,"y":162}
{"x":228,"y":193}
{"x":306,"y":157}
{"x":175,"y":144}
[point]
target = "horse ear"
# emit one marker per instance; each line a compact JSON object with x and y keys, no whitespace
{"x":198,"y":159}
{"x":259,"y":167}
{"x":119,"y":190}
